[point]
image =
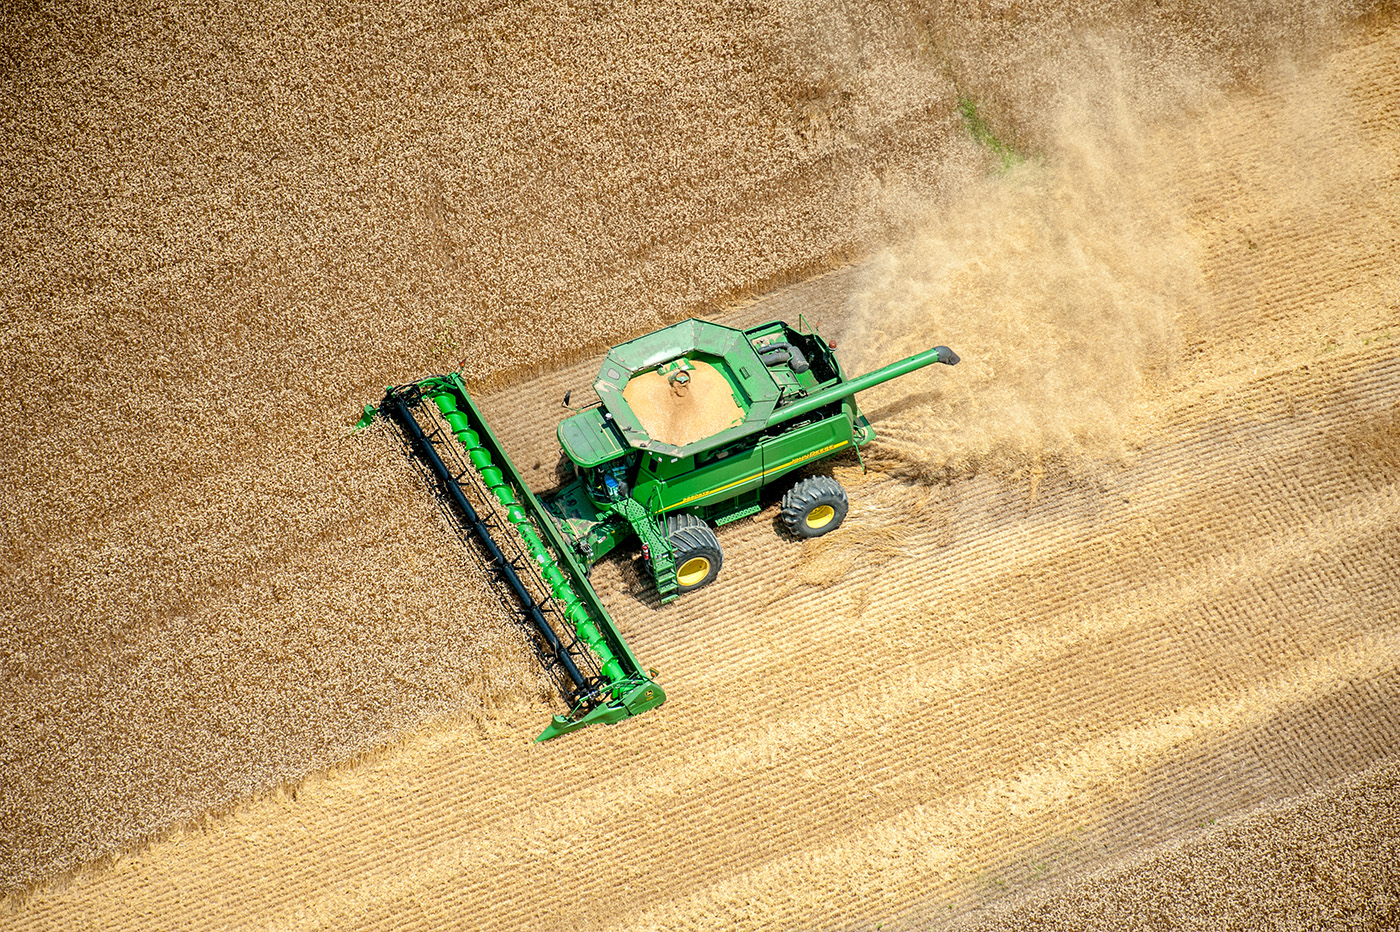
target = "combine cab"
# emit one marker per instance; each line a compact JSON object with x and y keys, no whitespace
{"x":693,"y":422}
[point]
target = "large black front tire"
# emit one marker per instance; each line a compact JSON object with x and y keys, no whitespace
{"x":698,"y":556}
{"x":815,"y":506}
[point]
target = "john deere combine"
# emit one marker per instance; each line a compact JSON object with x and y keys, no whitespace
{"x":692,"y":423}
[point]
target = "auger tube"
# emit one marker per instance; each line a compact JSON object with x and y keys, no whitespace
{"x":842,"y":390}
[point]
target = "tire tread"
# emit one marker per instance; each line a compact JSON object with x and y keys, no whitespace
{"x":806,"y":495}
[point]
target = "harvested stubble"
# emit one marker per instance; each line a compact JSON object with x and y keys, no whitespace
{"x":1330,"y":860}
{"x":226,"y":228}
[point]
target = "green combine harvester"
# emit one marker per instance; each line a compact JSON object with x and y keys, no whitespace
{"x":692,"y":423}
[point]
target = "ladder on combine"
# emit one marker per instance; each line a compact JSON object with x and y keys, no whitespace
{"x":656,"y":548}
{"x":538,"y":573}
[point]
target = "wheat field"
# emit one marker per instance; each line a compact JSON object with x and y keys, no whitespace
{"x":1127,"y":572}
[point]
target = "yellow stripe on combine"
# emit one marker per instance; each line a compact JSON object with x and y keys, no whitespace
{"x":792,"y":462}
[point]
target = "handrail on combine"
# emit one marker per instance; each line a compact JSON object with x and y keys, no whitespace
{"x":602,"y":680}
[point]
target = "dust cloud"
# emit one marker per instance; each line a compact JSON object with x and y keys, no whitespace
{"x":1063,"y":278}
{"x":1063,"y":271}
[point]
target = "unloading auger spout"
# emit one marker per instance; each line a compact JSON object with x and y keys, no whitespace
{"x":577,"y":638}
{"x":795,"y":409}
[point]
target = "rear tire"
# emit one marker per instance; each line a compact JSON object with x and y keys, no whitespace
{"x":698,"y":556}
{"x":815,"y":506}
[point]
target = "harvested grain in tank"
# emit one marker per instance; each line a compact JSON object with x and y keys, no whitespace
{"x":685,"y":405}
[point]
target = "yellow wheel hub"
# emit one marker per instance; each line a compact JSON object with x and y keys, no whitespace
{"x":820,"y":517}
{"x":693,"y":571}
